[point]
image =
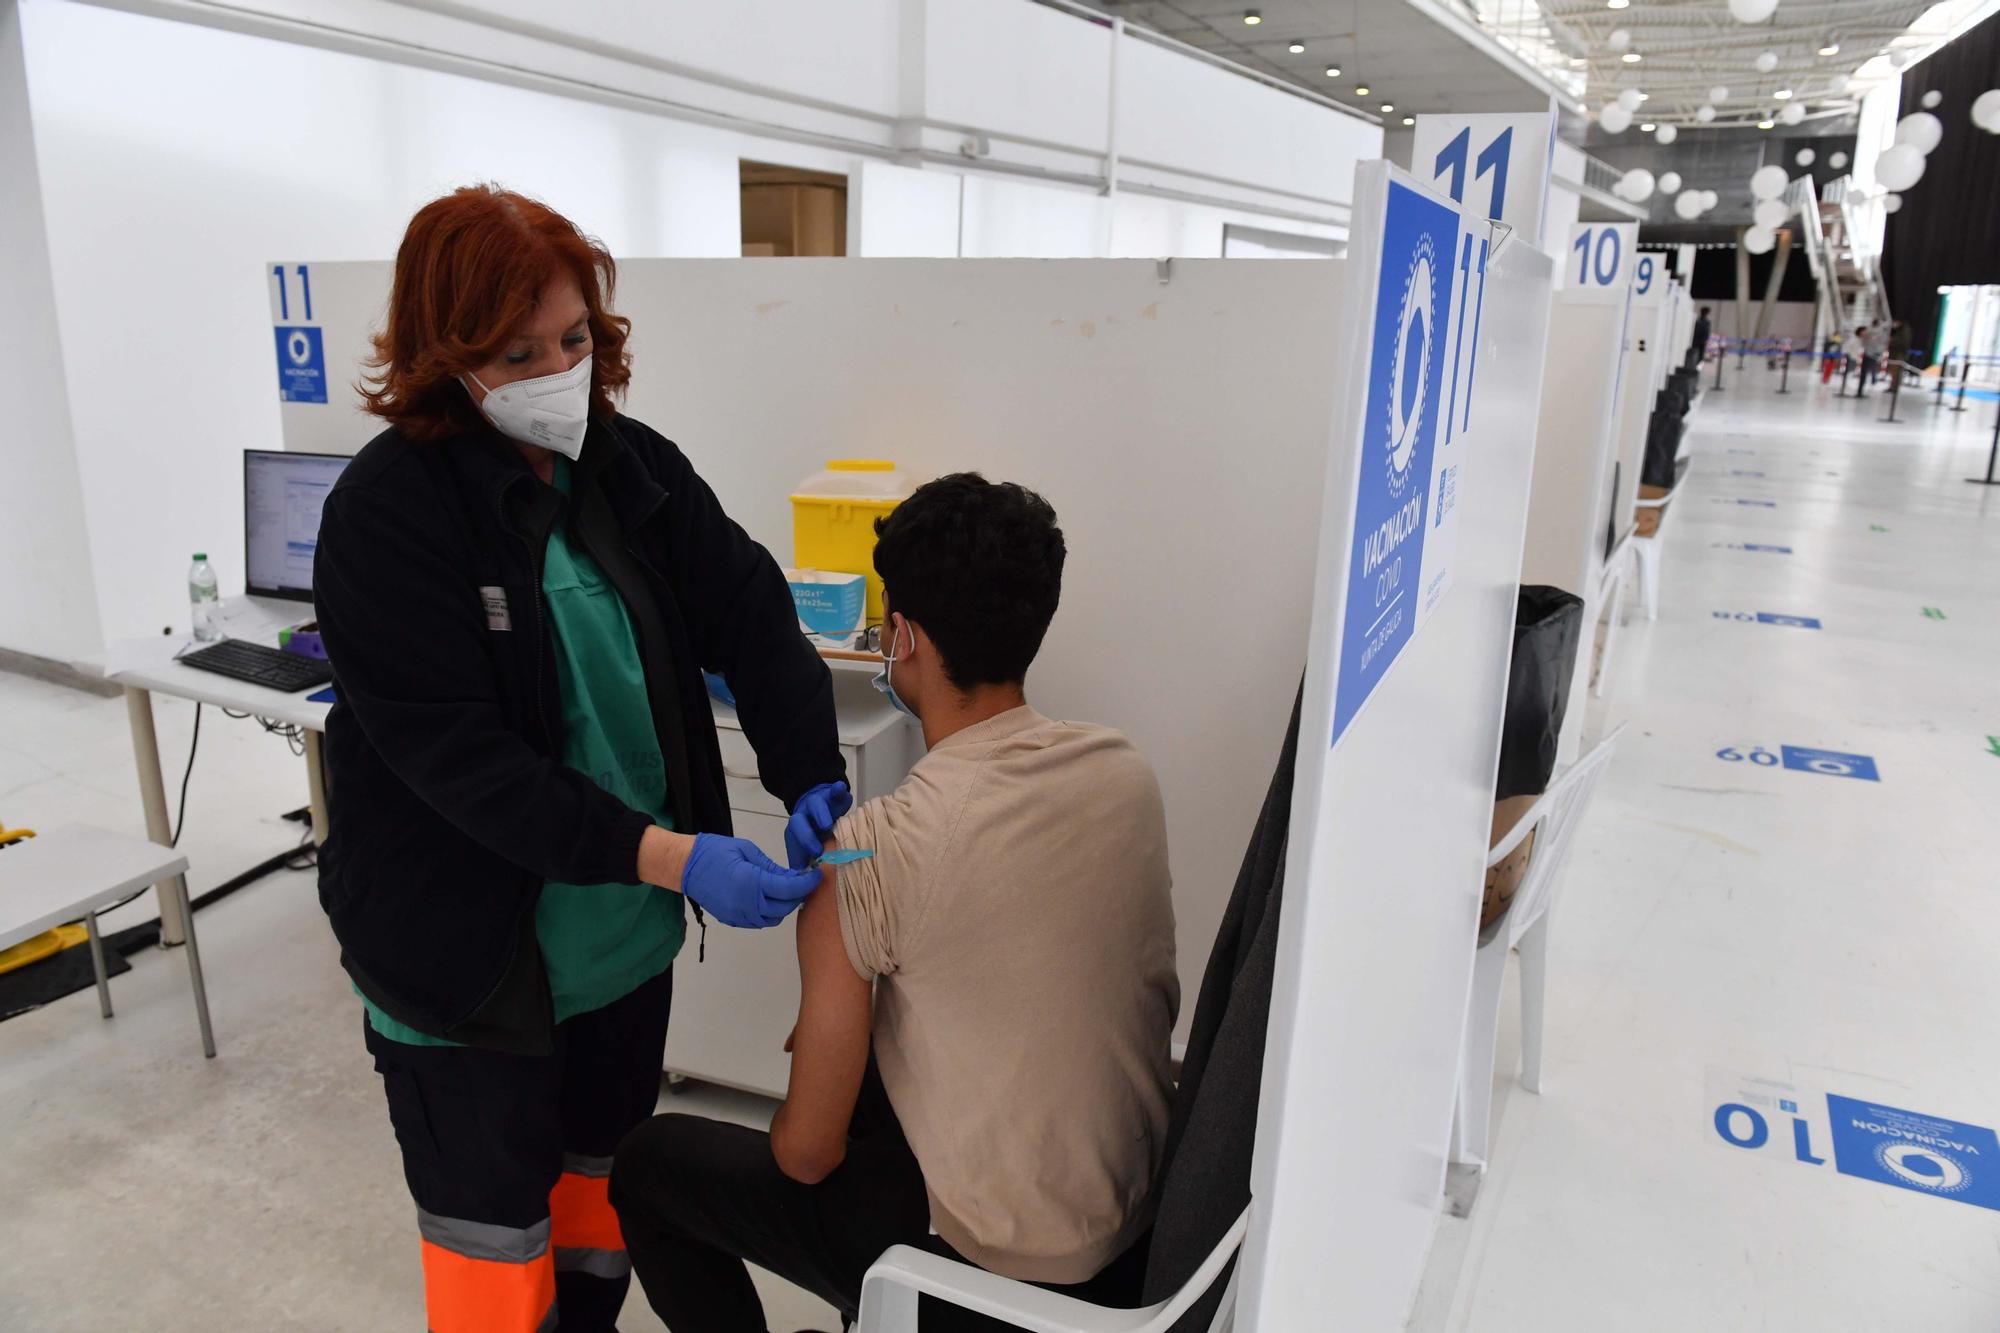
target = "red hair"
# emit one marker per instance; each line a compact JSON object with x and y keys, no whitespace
{"x":471,"y":269}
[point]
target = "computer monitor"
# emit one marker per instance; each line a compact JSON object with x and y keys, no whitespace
{"x":282,"y":496}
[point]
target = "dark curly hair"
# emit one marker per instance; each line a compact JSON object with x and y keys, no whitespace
{"x":979,"y":565}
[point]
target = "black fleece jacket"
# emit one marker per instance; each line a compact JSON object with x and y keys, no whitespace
{"x":448,"y":801}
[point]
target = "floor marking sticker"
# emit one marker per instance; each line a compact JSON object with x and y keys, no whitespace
{"x":1865,"y":1140}
{"x":1750,"y":546}
{"x":1768,"y":618}
{"x":1804,"y":759}
{"x":1759,"y":504}
{"x":1933,"y":613}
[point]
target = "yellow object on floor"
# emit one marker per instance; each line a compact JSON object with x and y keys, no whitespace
{"x":44,"y":945}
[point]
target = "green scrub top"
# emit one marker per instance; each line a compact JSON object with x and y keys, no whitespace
{"x":600,"y":942}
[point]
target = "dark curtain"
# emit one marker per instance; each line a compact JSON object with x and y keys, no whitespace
{"x":1948,"y":230}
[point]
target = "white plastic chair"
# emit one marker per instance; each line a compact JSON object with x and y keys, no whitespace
{"x":889,"y":1295}
{"x":1611,"y":592}
{"x":1556,"y":813}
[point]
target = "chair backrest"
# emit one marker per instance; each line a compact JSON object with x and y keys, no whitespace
{"x":1553,"y":818}
{"x":1203,"y":1184}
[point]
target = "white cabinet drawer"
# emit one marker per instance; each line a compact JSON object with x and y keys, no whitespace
{"x":739,"y":771}
{"x":732,"y":1012}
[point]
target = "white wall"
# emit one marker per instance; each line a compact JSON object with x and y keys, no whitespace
{"x":179,"y":159}
{"x":1184,"y":114}
{"x":841,"y":53}
{"x":996,"y":64}
{"x":167,"y":195}
{"x":48,"y":604}
{"x":903,"y":212}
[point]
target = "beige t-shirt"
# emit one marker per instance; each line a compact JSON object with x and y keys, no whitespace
{"x":1018,"y":920}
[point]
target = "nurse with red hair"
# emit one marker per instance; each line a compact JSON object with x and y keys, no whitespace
{"x":519,"y":589}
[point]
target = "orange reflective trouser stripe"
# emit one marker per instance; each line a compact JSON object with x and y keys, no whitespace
{"x":585,"y":1230}
{"x":482,"y":1278}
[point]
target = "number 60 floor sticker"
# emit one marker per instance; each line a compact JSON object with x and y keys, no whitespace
{"x":1865,"y":1139}
{"x":1804,"y":759}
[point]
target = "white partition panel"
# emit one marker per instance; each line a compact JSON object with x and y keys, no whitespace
{"x":1179,"y":429}
{"x":1390,"y":826}
{"x":1643,"y":375}
{"x":1569,"y":502}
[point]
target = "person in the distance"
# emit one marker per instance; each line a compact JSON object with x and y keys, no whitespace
{"x":1006,"y":955}
{"x":519,"y":589}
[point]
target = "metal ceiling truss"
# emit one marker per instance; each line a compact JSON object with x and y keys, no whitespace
{"x":1689,"y":46}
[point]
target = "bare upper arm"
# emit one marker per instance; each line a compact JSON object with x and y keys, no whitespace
{"x":829,"y":1045}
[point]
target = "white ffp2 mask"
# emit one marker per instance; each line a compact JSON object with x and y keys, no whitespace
{"x":552,"y":411}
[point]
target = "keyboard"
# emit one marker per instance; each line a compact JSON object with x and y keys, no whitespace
{"x":253,"y":662}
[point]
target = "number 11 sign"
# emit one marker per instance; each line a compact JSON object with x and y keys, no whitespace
{"x":1497,"y":166}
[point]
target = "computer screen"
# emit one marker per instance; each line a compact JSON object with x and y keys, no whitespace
{"x":282,"y":496}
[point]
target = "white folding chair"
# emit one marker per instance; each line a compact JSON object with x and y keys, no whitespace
{"x":1611,"y":593}
{"x":889,"y":1295}
{"x":1553,"y":818}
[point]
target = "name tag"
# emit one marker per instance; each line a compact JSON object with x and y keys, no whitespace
{"x":495,"y":602}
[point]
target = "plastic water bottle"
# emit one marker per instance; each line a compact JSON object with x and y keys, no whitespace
{"x":205,"y":600}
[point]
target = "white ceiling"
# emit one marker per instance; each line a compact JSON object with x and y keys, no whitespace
{"x":1405,"y":56}
{"x":1690,"y":46}
{"x":1387,"y":46}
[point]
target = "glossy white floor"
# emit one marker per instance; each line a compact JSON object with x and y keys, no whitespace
{"x":1724,"y":925}
{"x":149,"y":1189}
{"x":1737,"y":933}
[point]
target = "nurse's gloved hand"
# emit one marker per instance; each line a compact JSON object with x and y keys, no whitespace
{"x":812,"y":822}
{"x":734,"y":882}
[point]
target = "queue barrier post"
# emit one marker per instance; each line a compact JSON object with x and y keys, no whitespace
{"x":1785,"y":371}
{"x":1992,"y":455}
{"x":1964,"y":374}
{"x":1721,"y":355}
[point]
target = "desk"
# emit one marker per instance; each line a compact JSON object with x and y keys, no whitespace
{"x":146,"y":667}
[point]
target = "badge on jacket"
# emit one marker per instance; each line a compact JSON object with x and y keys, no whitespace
{"x":495,"y":601}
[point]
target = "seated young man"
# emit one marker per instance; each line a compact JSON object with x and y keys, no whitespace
{"x":987,"y":1002}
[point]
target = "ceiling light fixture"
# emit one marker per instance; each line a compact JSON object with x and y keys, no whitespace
{"x":1387,"y":107}
{"x":1631,"y":57}
{"x":1616,"y":4}
{"x":1783,"y":94}
{"x":1333,"y":71}
{"x":1647,"y":128}
{"x":1832,"y":48}
{"x":1252,"y":17}
{"x":1409,"y":120}
{"x":1297,"y":48}
{"x":1362,"y":91}
{"x":1766,"y":124}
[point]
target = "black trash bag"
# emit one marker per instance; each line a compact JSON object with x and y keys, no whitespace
{"x":1548,"y":624}
{"x":1663,"y":446}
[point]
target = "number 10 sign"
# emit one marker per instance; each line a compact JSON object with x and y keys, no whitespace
{"x":1603,"y":263}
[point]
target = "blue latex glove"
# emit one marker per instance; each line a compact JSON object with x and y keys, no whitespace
{"x":734,"y":882}
{"x":812,"y":822}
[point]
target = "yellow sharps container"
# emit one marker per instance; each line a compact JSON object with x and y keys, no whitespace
{"x":833,"y":519}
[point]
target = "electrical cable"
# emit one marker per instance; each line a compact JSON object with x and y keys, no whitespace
{"x":303,"y":857}
{"x":194,"y":742}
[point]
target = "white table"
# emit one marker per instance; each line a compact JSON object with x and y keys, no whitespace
{"x":146,"y":667}
{"x":79,"y":871}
